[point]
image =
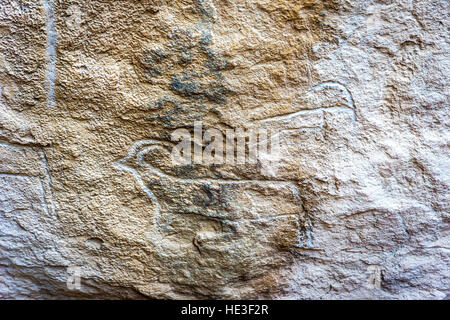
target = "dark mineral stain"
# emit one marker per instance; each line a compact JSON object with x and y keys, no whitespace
{"x":186,"y":87}
{"x":196,"y":85}
{"x":204,"y":8}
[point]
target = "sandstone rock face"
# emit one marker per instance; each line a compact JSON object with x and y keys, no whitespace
{"x":354,"y":205}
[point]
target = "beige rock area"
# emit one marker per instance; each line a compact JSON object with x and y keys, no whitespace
{"x":355,"y":206}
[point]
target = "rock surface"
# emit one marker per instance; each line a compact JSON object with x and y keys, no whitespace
{"x":355,"y":207}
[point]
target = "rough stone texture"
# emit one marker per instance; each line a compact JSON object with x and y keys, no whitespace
{"x":90,"y":92}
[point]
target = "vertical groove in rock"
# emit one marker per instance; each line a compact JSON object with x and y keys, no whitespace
{"x":52,"y":42}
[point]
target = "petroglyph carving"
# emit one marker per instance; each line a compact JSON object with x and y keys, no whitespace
{"x":323,"y":99}
{"x":228,"y":201}
{"x":194,"y":192}
{"x":356,"y":92}
{"x":26,"y":162}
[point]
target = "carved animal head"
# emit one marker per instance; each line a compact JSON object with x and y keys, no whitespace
{"x":144,"y":154}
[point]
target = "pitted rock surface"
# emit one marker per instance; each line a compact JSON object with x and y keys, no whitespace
{"x":356,"y":206}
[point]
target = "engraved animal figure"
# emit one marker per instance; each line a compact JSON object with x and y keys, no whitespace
{"x":26,"y":163}
{"x":234,"y":204}
{"x":239,"y":202}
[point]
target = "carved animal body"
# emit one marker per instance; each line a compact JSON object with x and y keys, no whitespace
{"x":233,"y":201}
